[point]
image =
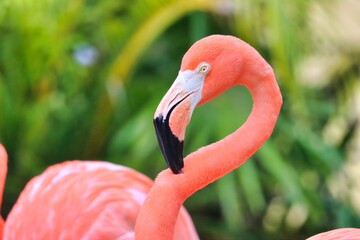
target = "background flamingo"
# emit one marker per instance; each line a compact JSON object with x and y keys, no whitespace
{"x":338,"y":234}
{"x":210,"y":66}
{"x":3,"y":170}
{"x":83,"y":200}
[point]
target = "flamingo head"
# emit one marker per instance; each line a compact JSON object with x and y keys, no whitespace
{"x":208,"y":68}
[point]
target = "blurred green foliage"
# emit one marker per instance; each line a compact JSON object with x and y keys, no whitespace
{"x":82,"y":79}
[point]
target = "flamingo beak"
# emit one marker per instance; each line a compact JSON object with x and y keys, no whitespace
{"x":173,"y":115}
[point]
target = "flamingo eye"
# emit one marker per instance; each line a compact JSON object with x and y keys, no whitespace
{"x":204,"y":68}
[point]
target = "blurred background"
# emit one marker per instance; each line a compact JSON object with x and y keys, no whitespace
{"x":80,"y":79}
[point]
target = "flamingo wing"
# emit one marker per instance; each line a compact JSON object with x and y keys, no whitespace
{"x":83,"y":200}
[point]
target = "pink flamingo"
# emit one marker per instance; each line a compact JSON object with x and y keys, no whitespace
{"x":83,"y":200}
{"x":338,"y":234}
{"x":76,"y":199}
{"x":3,"y":170}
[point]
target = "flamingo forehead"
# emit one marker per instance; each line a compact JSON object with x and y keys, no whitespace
{"x":206,"y":50}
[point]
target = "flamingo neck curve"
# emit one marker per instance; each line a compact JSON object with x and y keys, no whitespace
{"x":157,"y":217}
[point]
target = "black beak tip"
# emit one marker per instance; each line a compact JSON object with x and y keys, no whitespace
{"x":171,"y":147}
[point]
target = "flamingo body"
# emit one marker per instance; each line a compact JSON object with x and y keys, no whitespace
{"x":3,"y":170}
{"x":84,"y":200}
{"x":338,"y":234}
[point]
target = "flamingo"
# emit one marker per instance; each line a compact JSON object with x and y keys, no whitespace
{"x":3,"y":170}
{"x":79,"y":200}
{"x":338,"y":234}
{"x":83,"y":200}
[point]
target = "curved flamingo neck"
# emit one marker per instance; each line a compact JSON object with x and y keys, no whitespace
{"x":212,"y":162}
{"x":158,"y":215}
